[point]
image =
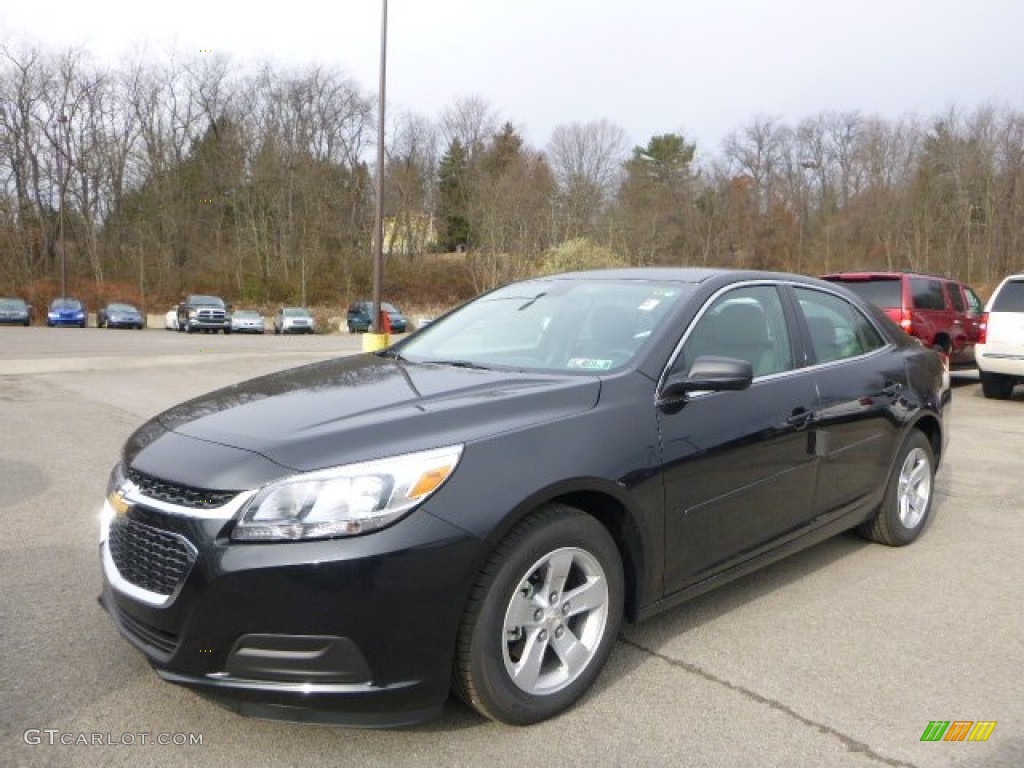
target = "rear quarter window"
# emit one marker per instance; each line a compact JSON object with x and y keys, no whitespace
{"x":1010,"y":297}
{"x":956,"y":297}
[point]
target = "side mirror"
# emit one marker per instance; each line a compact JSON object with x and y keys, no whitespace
{"x":707,"y":374}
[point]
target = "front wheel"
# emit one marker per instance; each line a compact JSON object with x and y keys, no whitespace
{"x":542,"y":618}
{"x":996,"y":385}
{"x":908,"y":497}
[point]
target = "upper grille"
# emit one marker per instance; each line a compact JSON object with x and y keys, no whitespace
{"x":181,"y":495}
{"x":208,"y":315}
{"x":148,"y":557}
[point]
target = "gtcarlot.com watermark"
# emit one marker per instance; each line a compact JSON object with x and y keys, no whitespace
{"x":55,"y":736}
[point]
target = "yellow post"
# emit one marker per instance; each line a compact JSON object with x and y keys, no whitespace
{"x":373,"y":342}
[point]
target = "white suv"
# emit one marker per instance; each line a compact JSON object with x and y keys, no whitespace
{"x":1000,"y":349}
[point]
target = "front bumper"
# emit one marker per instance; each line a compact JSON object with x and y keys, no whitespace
{"x":358,"y":631}
{"x":76,"y":322}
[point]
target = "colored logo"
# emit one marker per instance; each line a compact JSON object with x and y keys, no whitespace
{"x":958,"y":730}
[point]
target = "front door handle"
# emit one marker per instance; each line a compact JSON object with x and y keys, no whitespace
{"x":800,"y":418}
{"x":892,"y":389}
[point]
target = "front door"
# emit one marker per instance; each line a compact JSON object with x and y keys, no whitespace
{"x":738,"y":467}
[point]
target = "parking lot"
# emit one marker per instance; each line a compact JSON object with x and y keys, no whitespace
{"x":838,"y":656}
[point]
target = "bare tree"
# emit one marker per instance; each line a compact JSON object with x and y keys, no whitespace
{"x":586,"y":159}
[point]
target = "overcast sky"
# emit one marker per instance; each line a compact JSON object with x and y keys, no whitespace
{"x":651,"y":66}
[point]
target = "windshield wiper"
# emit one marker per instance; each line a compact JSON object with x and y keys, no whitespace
{"x":459,"y":364}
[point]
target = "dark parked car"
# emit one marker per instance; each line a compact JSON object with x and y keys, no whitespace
{"x":208,"y":314}
{"x":941,"y":312}
{"x":66,"y":311}
{"x":481,"y":504}
{"x":15,"y":312}
{"x":360,"y":314}
{"x":118,"y":315}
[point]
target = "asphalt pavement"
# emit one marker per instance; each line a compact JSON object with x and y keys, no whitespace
{"x":838,"y":656}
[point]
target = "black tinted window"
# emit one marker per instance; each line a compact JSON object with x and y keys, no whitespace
{"x":927,"y":293}
{"x":1010,"y":297}
{"x":956,"y":297}
{"x":884,"y":292}
{"x":745,"y":324}
{"x":837,"y":328}
{"x":975,"y":304}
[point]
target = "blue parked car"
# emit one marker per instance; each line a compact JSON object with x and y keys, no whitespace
{"x":65,"y":311}
{"x":360,"y":315}
{"x":118,"y":315}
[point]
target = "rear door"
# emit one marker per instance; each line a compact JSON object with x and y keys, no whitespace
{"x":858,"y":384}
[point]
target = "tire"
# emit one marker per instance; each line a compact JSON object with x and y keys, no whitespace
{"x":227,"y":331}
{"x":997,"y":386}
{"x":573,"y":549}
{"x":908,"y":497}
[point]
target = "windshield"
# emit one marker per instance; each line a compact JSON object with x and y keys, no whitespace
{"x":206,"y":301}
{"x":121,"y":308}
{"x":294,"y":312}
{"x":563,"y":325}
{"x":246,"y":313}
{"x":66,"y":304}
{"x":12,"y":304}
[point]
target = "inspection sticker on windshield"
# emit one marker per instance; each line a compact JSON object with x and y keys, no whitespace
{"x":589,"y":364}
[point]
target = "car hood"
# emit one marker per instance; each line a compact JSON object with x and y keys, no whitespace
{"x":342,"y":411}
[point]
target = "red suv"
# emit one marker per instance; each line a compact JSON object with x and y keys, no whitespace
{"x":941,"y":312}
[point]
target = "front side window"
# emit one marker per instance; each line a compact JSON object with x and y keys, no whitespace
{"x":745,"y":323}
{"x":837,"y":329}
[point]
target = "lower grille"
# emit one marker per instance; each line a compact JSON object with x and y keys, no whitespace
{"x":166,"y":642}
{"x":148,"y":557}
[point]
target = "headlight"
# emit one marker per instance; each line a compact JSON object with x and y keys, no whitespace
{"x":344,"y":501}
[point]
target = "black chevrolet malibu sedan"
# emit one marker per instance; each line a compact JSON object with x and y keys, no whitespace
{"x":478,"y":507}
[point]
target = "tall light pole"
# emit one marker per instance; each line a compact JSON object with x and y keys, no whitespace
{"x":378,"y":228}
{"x":62,"y":122}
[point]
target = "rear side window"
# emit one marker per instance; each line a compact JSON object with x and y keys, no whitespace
{"x":883,"y":292}
{"x":927,"y":293}
{"x":1010,"y":297}
{"x":837,"y":329}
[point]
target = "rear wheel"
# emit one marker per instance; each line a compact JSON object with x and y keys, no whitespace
{"x":997,"y":385}
{"x":908,"y":497}
{"x":542,"y":618}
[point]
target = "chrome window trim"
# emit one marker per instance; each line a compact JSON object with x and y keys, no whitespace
{"x":779,"y":374}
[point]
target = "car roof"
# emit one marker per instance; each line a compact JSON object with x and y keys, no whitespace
{"x":884,"y":274}
{"x":712,"y":276}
